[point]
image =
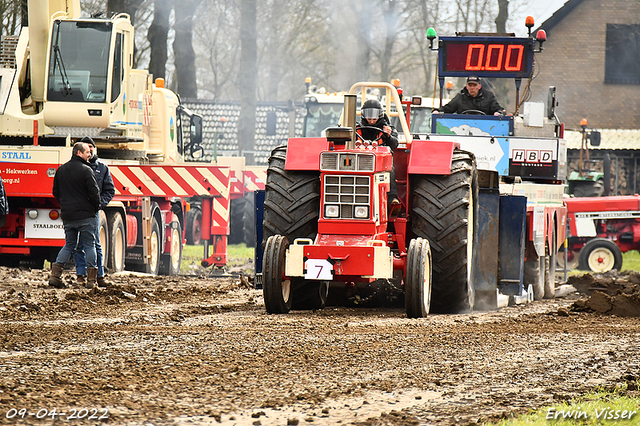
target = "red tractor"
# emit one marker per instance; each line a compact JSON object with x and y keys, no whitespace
{"x":481,"y":199}
{"x":600,"y":230}
{"x":326,"y":218}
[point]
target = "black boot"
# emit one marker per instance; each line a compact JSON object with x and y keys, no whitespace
{"x":92,"y":276}
{"x":55,"y":279}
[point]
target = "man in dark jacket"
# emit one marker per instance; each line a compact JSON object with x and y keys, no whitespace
{"x":75,"y":188}
{"x":107,"y":191}
{"x":472,"y":98}
{"x":377,"y":126}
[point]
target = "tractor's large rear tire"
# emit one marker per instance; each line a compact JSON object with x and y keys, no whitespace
{"x":292,"y":200}
{"x":276,"y":288}
{"x":600,"y":255}
{"x":444,"y":211}
{"x":417,"y":283}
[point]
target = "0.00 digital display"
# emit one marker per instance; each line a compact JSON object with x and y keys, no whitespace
{"x":479,"y":57}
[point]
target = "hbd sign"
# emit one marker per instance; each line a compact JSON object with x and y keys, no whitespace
{"x":531,"y":156}
{"x":534,"y":158}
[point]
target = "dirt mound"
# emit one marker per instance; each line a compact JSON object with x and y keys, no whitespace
{"x":612,"y":293}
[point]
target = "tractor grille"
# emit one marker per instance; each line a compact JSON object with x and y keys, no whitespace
{"x":347,"y":197}
{"x":347,"y":161}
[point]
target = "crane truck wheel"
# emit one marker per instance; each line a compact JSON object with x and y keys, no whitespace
{"x":193,"y":227}
{"x":153,"y":265}
{"x":117,"y":242}
{"x":445,"y":211}
{"x":292,"y":200}
{"x":276,"y":288}
{"x":534,"y":275}
{"x":600,"y":255}
{"x":417,"y":283}
{"x":103,"y":233}
{"x":170,"y":263}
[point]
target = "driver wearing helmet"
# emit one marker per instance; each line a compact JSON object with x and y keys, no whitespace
{"x":472,"y":98}
{"x":374,"y":116}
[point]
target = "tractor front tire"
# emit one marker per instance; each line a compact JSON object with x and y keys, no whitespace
{"x":276,"y":288}
{"x":600,"y":255}
{"x":292,"y":200}
{"x":444,"y":211}
{"x":417,"y":283}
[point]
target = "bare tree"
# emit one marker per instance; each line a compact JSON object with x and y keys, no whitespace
{"x":247,"y":74}
{"x":503,"y":15}
{"x":217,"y":44}
{"x":184,"y":54}
{"x":11,"y":12}
{"x":157,"y":36}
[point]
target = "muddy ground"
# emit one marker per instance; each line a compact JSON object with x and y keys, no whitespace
{"x":202,"y":351}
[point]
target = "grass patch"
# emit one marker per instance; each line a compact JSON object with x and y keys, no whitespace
{"x":599,"y":408}
{"x":631,"y":261}
{"x":237,"y":255}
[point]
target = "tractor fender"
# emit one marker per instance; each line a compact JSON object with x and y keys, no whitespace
{"x":431,"y":157}
{"x":304,"y":153}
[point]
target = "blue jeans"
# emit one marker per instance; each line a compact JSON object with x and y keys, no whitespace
{"x":79,"y":253}
{"x":86,"y":230}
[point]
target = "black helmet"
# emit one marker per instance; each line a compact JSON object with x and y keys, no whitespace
{"x":372,"y":109}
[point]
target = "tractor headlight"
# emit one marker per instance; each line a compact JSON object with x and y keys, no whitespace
{"x":361,"y":212}
{"x":331,"y":211}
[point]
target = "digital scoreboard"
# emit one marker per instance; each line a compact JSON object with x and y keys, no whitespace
{"x":485,"y":56}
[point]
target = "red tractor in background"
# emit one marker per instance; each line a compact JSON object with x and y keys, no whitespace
{"x":600,"y":230}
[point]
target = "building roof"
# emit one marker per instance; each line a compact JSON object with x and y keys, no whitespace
{"x":610,"y":139}
{"x":559,"y":15}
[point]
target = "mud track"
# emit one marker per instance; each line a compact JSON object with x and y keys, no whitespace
{"x":198,"y":351}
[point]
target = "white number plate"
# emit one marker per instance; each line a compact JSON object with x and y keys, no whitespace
{"x":318,"y":269}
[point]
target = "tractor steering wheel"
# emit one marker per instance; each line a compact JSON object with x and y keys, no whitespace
{"x":473,"y":111}
{"x":381,"y":133}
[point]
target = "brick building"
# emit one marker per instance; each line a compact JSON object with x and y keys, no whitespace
{"x":591,"y":56}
